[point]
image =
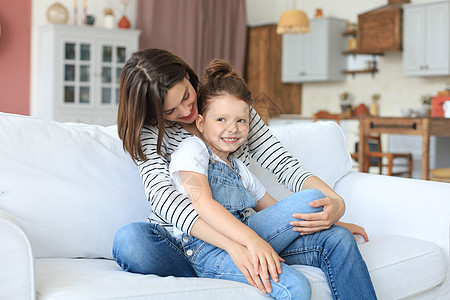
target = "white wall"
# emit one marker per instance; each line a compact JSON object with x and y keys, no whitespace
{"x":396,"y":90}
{"x":94,"y":7}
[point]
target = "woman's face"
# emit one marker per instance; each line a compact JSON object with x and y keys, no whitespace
{"x":181,"y":103}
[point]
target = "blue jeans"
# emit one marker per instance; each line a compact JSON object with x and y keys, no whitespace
{"x":148,"y":248}
{"x":334,"y":250}
{"x":139,"y":247}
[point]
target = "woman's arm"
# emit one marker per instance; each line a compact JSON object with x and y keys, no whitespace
{"x":269,"y":152}
{"x":267,"y":200}
{"x":333,"y":209}
{"x":169,"y":206}
{"x":355,"y":229}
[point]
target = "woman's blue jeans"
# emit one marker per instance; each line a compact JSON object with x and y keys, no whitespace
{"x":138,"y":247}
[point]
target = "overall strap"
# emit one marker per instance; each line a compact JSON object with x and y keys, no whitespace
{"x":211,"y":159}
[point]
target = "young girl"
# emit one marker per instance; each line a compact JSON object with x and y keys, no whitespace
{"x":222,"y":190}
{"x":157,"y":110}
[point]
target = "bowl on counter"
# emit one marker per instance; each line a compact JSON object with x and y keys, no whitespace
{"x":421,"y":112}
{"x":407,"y":112}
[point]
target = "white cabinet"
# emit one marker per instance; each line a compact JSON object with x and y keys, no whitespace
{"x":79,"y":71}
{"x":317,"y":55}
{"x":426,"y":39}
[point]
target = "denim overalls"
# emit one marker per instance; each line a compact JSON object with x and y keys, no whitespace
{"x":212,"y":262}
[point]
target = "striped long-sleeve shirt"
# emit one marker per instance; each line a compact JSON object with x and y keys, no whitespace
{"x":170,"y":207}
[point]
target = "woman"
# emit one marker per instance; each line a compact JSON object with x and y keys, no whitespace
{"x":157,"y":110}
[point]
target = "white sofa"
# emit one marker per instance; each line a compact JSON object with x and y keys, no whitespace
{"x":65,"y":189}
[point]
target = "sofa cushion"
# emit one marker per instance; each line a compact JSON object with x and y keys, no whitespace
{"x":320,"y":148}
{"x":399,"y":267}
{"x":71,"y":186}
{"x":402,"y":266}
{"x":63,"y":278}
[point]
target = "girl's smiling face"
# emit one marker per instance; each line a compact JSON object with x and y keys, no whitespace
{"x":225,"y":124}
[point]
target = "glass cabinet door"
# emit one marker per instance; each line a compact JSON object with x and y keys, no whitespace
{"x":77,"y":70}
{"x":113,"y":58}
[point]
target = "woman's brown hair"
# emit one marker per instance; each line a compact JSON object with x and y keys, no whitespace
{"x":221,"y":79}
{"x":144,"y":81}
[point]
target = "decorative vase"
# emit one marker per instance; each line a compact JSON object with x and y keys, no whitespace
{"x":109,"y":21}
{"x":373,"y":110}
{"x":124,"y":23}
{"x":57,"y":13}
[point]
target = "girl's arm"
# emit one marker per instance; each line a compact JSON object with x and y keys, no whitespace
{"x":264,"y":258}
{"x":238,"y":253}
{"x":264,"y":202}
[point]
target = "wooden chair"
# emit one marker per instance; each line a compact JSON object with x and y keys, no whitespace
{"x":375,"y":158}
{"x":375,"y":154}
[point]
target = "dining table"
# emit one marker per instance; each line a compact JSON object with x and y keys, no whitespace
{"x":425,"y":127}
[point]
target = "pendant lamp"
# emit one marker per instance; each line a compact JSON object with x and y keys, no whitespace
{"x":293,"y":21}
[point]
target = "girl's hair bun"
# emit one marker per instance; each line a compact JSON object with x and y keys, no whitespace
{"x":218,"y":69}
{"x":221,"y":80}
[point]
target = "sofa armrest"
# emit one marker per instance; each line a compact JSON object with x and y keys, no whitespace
{"x":397,"y":206}
{"x":387,"y":205}
{"x":16,"y":261}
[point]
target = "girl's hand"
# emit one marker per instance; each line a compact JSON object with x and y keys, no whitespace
{"x":243,"y":260}
{"x":355,"y":229}
{"x":265,"y":261}
{"x":333,"y":209}
{"x":245,"y":263}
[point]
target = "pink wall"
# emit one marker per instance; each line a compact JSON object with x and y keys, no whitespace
{"x":15,"y":44}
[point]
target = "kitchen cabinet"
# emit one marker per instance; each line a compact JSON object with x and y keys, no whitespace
{"x":263,"y":74}
{"x":380,"y":30}
{"x":315,"y":56}
{"x":79,"y":71}
{"x":426,"y":39}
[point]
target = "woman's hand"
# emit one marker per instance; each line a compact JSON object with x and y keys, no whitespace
{"x":355,"y":229}
{"x":333,"y":209}
{"x":265,"y":261}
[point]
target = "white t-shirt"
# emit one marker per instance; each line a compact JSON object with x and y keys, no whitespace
{"x":192,"y":155}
